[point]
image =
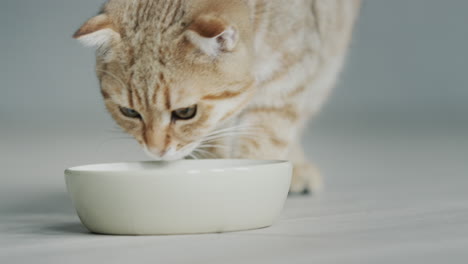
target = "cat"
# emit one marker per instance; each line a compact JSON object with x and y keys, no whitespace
{"x":220,"y":79}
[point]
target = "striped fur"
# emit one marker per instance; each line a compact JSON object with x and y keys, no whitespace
{"x":269,"y":73}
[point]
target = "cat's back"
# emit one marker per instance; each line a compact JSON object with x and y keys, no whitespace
{"x":300,"y":46}
{"x":277,"y":21}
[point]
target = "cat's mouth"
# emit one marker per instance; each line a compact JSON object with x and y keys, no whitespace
{"x":172,"y":154}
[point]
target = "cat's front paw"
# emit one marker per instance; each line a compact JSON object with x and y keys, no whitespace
{"x":306,"y":178}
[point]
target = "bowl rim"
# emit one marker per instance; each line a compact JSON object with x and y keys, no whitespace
{"x":251,"y":163}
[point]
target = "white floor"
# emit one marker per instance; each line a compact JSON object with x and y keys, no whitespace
{"x":396,"y":193}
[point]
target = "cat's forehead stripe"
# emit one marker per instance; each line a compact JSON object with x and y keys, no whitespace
{"x":154,"y":97}
{"x":138,"y":97}
{"x":130,"y":98}
{"x":144,"y":94}
{"x":168,"y":98}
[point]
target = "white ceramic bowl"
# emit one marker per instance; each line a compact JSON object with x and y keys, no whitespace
{"x":182,"y":197}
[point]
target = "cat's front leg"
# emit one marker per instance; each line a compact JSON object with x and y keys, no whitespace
{"x":306,"y":176}
{"x":273,"y":134}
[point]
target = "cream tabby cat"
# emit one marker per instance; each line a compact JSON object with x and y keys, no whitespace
{"x":226,"y":79}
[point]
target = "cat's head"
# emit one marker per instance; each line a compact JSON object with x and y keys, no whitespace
{"x":172,"y":71}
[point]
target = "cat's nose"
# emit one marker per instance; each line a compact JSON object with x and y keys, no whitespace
{"x":156,"y":142}
{"x":157,"y":154}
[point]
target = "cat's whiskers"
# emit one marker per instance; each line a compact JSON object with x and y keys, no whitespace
{"x":193,"y":156}
{"x":187,"y":146}
{"x":208,"y":142}
{"x":230,"y":131}
{"x":204,"y":152}
{"x":233,"y":129}
{"x":236,"y":134}
{"x":212,"y":146}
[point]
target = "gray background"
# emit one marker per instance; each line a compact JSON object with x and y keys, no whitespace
{"x":408,"y":60}
{"x":392,"y":143}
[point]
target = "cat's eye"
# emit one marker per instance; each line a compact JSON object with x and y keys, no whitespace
{"x":128,"y":112}
{"x":185,"y":113}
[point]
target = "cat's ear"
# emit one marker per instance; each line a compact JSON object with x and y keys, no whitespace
{"x":97,"y":32}
{"x":212,"y":35}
